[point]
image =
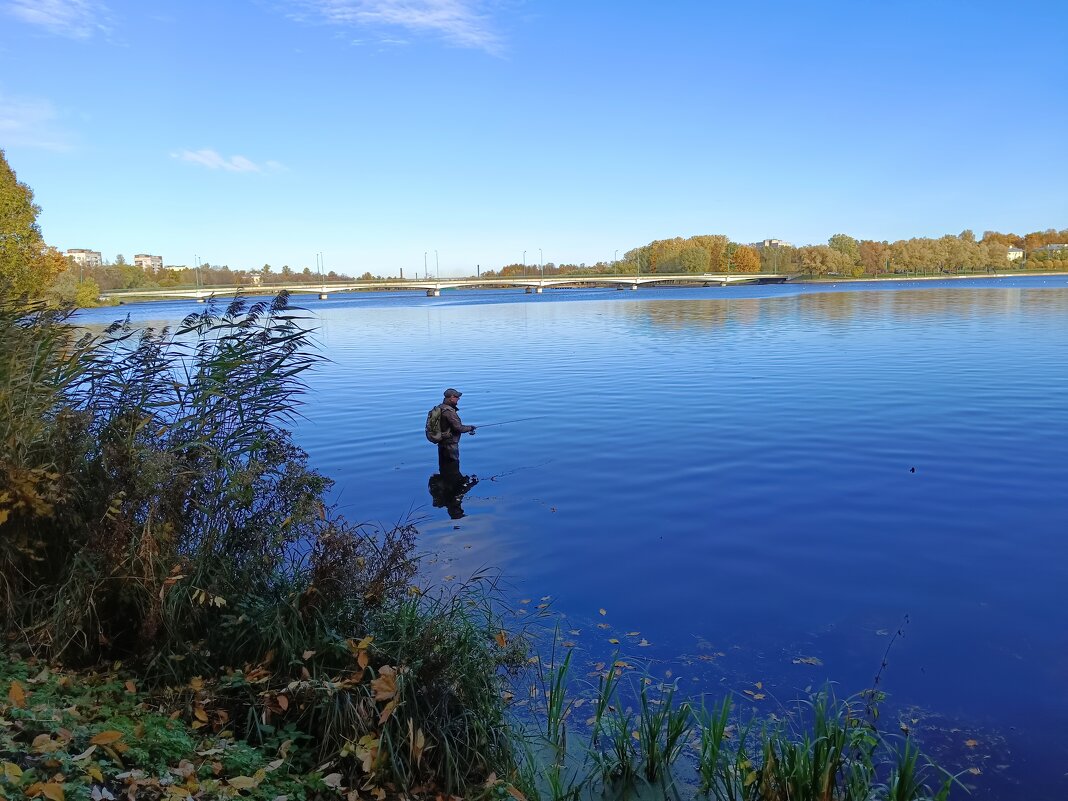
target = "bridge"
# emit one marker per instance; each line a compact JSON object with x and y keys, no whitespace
{"x":434,"y":287}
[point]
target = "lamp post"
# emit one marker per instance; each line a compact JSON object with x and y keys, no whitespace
{"x":437,"y":267}
{"x":425,"y":273}
{"x":196,"y":267}
{"x":524,"y":264}
{"x":541,"y":263}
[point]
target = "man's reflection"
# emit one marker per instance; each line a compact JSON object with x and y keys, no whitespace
{"x":448,"y":488}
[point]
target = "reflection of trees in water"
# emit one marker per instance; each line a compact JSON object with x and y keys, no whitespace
{"x":836,"y":308}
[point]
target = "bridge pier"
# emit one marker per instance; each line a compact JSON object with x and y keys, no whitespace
{"x":323,"y":296}
{"x":633,"y":286}
{"x":433,"y":293}
{"x":529,"y":289}
{"x":200,"y":300}
{"x":537,"y":290}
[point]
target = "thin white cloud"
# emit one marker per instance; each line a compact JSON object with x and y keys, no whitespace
{"x":75,"y":19}
{"x":214,"y":160}
{"x":31,"y":122}
{"x":457,"y":21}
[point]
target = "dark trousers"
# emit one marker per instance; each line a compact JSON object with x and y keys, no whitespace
{"x":449,"y":461}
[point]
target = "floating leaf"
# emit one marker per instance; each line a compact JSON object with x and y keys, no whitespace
{"x":971,"y":743}
{"x":807,"y":660}
{"x":603,"y":611}
{"x":525,"y":601}
{"x":614,"y":641}
{"x":633,"y":633}
{"x":644,"y":643}
{"x":975,"y":771}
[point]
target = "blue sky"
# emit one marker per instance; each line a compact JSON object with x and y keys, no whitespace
{"x":374,"y":131}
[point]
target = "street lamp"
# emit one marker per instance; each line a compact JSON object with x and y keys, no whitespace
{"x":425,"y":273}
{"x":437,"y":267}
{"x":196,"y":267}
{"x":541,"y":262}
{"x":524,"y":264}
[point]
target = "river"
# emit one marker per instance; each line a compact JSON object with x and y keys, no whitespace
{"x":766,"y":482}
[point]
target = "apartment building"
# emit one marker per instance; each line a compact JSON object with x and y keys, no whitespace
{"x":148,"y":262}
{"x":85,"y":258}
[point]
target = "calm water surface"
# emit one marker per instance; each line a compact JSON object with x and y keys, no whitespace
{"x":748,"y":477}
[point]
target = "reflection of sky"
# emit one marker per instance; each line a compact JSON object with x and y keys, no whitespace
{"x":729,"y":471}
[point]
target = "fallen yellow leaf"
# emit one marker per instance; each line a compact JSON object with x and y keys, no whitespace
{"x":971,"y":743}
{"x":106,"y":737}
{"x":385,"y":686}
{"x":603,"y":611}
{"x":242,"y":782}
{"x":501,"y":638}
{"x":16,"y":695}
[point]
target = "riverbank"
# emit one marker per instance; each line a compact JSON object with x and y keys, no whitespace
{"x":943,"y":277}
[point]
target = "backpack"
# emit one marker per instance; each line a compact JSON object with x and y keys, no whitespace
{"x":433,"y":425}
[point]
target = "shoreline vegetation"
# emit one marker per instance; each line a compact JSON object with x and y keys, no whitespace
{"x":29,"y":265}
{"x":185,"y":617}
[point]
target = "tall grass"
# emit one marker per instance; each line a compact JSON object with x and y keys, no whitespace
{"x":636,"y":745}
{"x":155,"y":509}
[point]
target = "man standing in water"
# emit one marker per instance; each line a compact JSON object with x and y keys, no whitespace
{"x":449,"y":486}
{"x":451,"y":429}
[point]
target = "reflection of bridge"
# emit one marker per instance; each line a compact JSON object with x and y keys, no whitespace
{"x":433,"y":287}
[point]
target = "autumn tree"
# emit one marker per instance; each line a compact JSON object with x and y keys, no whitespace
{"x":745,"y":260}
{"x":26,"y":263}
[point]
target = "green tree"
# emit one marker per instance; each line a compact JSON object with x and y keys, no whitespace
{"x":845,"y":245}
{"x":25,"y":261}
{"x":120,"y":260}
{"x":694,"y":259}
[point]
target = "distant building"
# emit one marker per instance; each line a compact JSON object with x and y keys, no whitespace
{"x":1015,"y":253}
{"x":1052,"y":249}
{"x":85,"y":258}
{"x":147,"y":262}
{"x":771,"y":244}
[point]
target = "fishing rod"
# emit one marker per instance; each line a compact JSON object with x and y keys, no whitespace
{"x":495,"y":476}
{"x":507,"y":422}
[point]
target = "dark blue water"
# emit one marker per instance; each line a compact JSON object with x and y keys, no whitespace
{"x":748,"y":477}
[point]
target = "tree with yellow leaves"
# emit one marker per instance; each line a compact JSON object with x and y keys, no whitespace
{"x":27,"y":265}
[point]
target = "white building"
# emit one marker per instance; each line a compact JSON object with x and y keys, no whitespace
{"x":1051,"y":249}
{"x":771,"y":244}
{"x":85,"y":258}
{"x":1015,"y":253}
{"x":147,"y":262}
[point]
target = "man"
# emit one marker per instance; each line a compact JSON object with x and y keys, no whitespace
{"x":451,"y":429}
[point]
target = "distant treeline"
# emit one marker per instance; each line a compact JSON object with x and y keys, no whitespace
{"x":121,"y":275}
{"x":842,"y":255}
